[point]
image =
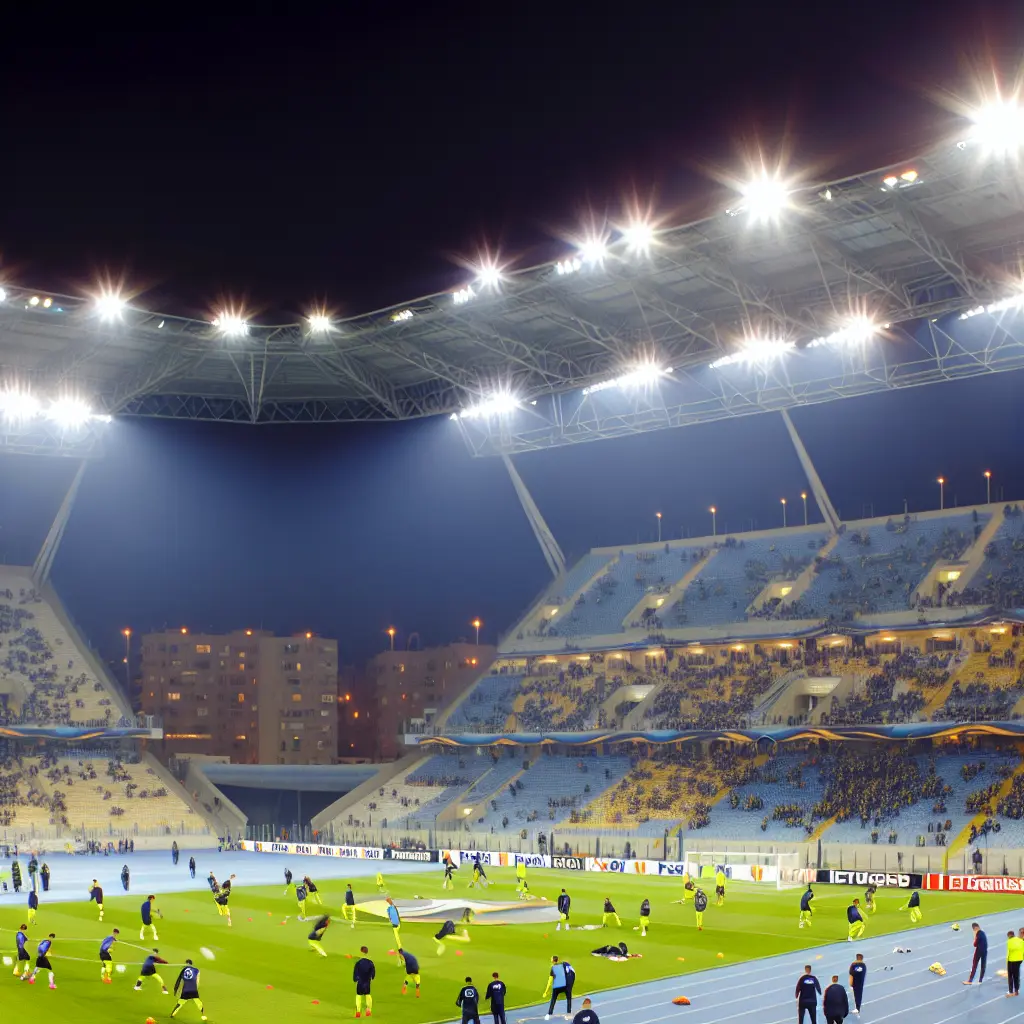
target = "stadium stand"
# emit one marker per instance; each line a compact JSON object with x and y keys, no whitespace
{"x":1000,"y":580}
{"x":877,"y":568}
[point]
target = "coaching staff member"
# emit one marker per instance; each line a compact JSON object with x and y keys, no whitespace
{"x":807,"y":991}
{"x":834,"y":1003}
{"x":980,"y":954}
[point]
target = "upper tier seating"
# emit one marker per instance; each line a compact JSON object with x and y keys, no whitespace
{"x":46,"y":676}
{"x":737,"y":573}
{"x":1000,"y":580}
{"x":877,"y":568}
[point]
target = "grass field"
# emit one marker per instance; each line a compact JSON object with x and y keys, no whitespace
{"x":263,"y":968}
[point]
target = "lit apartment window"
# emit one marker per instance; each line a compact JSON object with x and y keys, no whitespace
{"x":202,"y":648}
{"x":241,"y":698}
{"x":325,"y":714}
{"x":296,"y":698}
{"x":202,"y":712}
{"x":174,"y":696}
{"x":296,"y":743}
{"x":240,"y":736}
{"x":327,"y":698}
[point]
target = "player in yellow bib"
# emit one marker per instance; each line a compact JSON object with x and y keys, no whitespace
{"x":720,"y":888}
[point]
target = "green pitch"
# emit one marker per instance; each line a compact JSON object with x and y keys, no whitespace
{"x":264,"y":970}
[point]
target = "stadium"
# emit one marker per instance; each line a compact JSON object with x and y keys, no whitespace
{"x":832,"y":703}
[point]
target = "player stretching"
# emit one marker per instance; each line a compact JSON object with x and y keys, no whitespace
{"x":396,"y":922}
{"x":446,"y":933}
{"x":21,"y":937}
{"x":914,"y":905}
{"x":221,"y":899}
{"x":300,"y":898}
{"x":42,"y":962}
{"x":700,"y":904}
{"x":314,"y":892}
{"x":609,"y":914}
{"x":806,"y":911}
{"x":869,"y":899}
{"x":412,"y":971}
{"x":188,"y":982}
{"x":856,"y":919}
{"x":96,"y":893}
{"x":317,"y":934}
{"x":149,"y":971}
{"x":479,"y":875}
{"x":449,"y":869}
{"x":106,"y":960}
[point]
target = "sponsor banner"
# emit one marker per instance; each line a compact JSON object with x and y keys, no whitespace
{"x":623,"y":867}
{"x":307,"y":850}
{"x":880,"y":879}
{"x":672,"y":867}
{"x":569,"y":863}
{"x":984,"y":883}
{"x":934,"y":881}
{"x":533,"y":860}
{"x":422,"y":856}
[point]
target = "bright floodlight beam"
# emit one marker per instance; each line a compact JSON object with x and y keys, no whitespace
{"x":232,"y":325}
{"x":319,"y":323}
{"x":69,"y":413}
{"x":639,"y":237}
{"x":593,"y":250}
{"x":764,"y":198}
{"x":110,"y":305}
{"x":17,"y":406}
{"x":999,"y":127}
{"x":489,"y":275}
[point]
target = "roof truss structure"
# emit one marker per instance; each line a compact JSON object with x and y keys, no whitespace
{"x":913,"y":257}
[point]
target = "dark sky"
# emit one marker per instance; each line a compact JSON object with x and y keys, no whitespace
{"x":354,"y":158}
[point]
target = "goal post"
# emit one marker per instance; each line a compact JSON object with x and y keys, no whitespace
{"x":780,"y":870}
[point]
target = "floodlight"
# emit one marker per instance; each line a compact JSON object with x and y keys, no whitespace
{"x":764,"y":198}
{"x":402,"y":314}
{"x":3,"y":294}
{"x":69,"y":412}
{"x":756,"y":351}
{"x":998,"y":127}
{"x":638,"y":236}
{"x":642,"y":376}
{"x":891,"y":181}
{"x":489,"y":275}
{"x":570,"y":266}
{"x":319,"y":323}
{"x":110,"y":305}
{"x":34,"y":301}
{"x":498,"y":404}
{"x":463,"y":295}
{"x":593,"y":250}
{"x":1013,"y":303}
{"x":860,"y":329}
{"x":18,"y":405}
{"x":231,"y":325}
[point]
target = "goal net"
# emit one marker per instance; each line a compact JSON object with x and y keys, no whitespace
{"x":782,"y":870}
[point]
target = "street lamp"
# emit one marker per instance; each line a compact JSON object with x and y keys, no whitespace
{"x":988,"y":487}
{"x":391,"y":633}
{"x":658,"y":517}
{"x":803,"y":498}
{"x":942,"y":493}
{"x":783,"y":513}
{"x":714,"y":521}
{"x":476,"y":624}
{"x":127,"y":634}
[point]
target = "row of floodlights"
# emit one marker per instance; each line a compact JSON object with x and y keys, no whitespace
{"x":20,"y":407}
{"x":755,"y":351}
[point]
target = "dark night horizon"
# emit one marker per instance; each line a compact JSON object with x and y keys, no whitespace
{"x":354,"y":162}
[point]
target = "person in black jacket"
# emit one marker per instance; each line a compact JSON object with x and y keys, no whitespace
{"x":469,"y":1000}
{"x":980,"y":954}
{"x":44,"y":875}
{"x":834,"y":1003}
{"x":807,"y":991}
{"x":586,"y":1015}
{"x":495,"y":995}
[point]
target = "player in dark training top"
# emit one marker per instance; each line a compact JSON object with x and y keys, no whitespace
{"x":469,"y":1000}
{"x":96,"y":893}
{"x":21,"y":937}
{"x":564,"y":902}
{"x":363,"y":974}
{"x":807,"y":991}
{"x":495,"y":995}
{"x":106,"y":958}
{"x":412,"y":971}
{"x":188,"y":983}
{"x":858,"y":975}
{"x":806,"y":911}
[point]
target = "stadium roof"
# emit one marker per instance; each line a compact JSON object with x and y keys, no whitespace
{"x":930,"y":237}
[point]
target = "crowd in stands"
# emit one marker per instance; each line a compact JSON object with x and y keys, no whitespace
{"x":1000,"y":581}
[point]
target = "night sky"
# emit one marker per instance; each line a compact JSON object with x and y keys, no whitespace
{"x":360,"y":159}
